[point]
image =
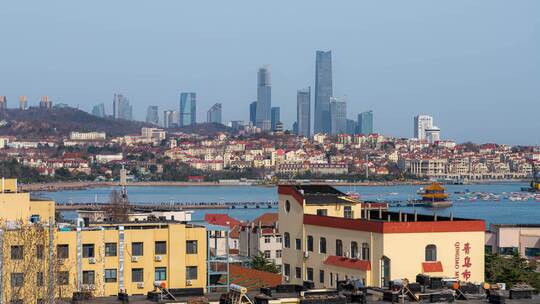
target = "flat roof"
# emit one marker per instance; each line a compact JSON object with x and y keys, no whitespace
{"x":320,"y":194}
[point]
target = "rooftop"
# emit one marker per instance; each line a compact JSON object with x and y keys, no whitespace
{"x":316,"y":194}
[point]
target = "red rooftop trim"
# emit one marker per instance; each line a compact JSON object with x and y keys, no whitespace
{"x":348,"y":263}
{"x":432,"y":267}
{"x":394,"y":227}
{"x":290,"y":190}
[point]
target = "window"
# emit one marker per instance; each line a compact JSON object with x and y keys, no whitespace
{"x":110,"y":249}
{"x":110,"y":275}
{"x":191,"y":247}
{"x":62,"y":251}
{"x":321,"y":276}
{"x":160,"y":274}
{"x":354,"y":250}
{"x":267,"y":239}
{"x":137,"y":249}
{"x":322,"y":245}
{"x":278,"y":239}
{"x":34,"y":218}
{"x":160,"y":247}
{"x":287,"y":206}
{"x":365,"y":251}
{"x":331,"y":279}
{"x":347,"y":212}
{"x":339,"y":248}
{"x":298,"y":273}
{"x":88,"y":277}
{"x":287,"y":240}
{"x":88,"y":250}
{"x":191,"y":273}
{"x":17,"y":252}
{"x":267,"y":254}
{"x":40,"y":279}
{"x":287,"y":269}
{"x":431,"y":253}
{"x":137,"y":275}
{"x":17,"y":279}
{"x":39,"y":252}
{"x":62,"y":278}
{"x":310,"y":243}
{"x":322,"y":212}
{"x":279,"y":253}
{"x":298,"y":244}
{"x":309,"y":274}
{"x":532,"y":252}
{"x":508,"y":250}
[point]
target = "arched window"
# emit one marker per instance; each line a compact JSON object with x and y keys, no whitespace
{"x":287,"y":206}
{"x":287,"y":240}
{"x":339,"y":248}
{"x":431,"y":253}
{"x":310,"y":243}
{"x":365,"y":251}
{"x":354,"y":250}
{"x":322,"y":245}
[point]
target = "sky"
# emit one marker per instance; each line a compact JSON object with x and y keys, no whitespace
{"x":473,"y":65}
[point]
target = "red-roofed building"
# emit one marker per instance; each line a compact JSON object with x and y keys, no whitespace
{"x":262,"y":235}
{"x":328,"y":236}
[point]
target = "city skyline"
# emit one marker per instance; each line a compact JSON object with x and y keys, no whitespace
{"x":399,"y":68}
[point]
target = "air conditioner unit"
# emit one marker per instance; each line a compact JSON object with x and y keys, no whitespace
{"x":140,"y":285}
{"x":347,"y":254}
{"x":158,"y":258}
{"x":306,"y":254}
{"x":189,"y":283}
{"x":91,"y":260}
{"x":286,"y":278}
{"x":134,"y":258}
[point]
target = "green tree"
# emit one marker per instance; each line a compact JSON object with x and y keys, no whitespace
{"x":511,"y":270}
{"x":259,"y":262}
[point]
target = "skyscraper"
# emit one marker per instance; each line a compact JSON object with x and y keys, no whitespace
{"x":365,"y":122}
{"x":214,"y":114}
{"x":45,"y":102}
{"x":122,"y":109}
{"x":23,"y":103}
{"x":274,"y":117}
{"x":303,"y":112}
{"x":188,"y":109}
{"x":99,"y":110}
{"x":152,"y":116}
{"x":3,"y":102}
{"x":421,"y":124}
{"x":169,"y":118}
{"x":352,"y":126}
{"x":253,"y":112}
{"x":323,"y":91}
{"x":338,"y":116}
{"x":264,"y":99}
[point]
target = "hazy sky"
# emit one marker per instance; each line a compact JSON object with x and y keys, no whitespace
{"x":473,"y":65}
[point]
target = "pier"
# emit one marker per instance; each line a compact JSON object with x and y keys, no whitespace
{"x":171,"y":206}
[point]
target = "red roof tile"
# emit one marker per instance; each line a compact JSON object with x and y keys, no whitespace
{"x":432,"y":267}
{"x":267,"y":219}
{"x":348,"y":263}
{"x":221,"y":219}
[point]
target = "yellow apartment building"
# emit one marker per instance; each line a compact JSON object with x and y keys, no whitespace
{"x":39,"y":261}
{"x":328,"y":237}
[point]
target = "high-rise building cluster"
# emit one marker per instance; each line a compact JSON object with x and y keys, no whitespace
{"x":425,"y":130}
{"x":170,"y":119}
{"x":45,"y":103}
{"x":99,"y":110}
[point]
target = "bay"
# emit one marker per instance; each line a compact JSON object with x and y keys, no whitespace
{"x":490,"y":202}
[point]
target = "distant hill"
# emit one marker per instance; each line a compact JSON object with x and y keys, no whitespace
{"x":37,"y":123}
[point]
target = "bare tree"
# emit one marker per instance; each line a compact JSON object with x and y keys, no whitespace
{"x":31,"y":269}
{"x":118,"y":207}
